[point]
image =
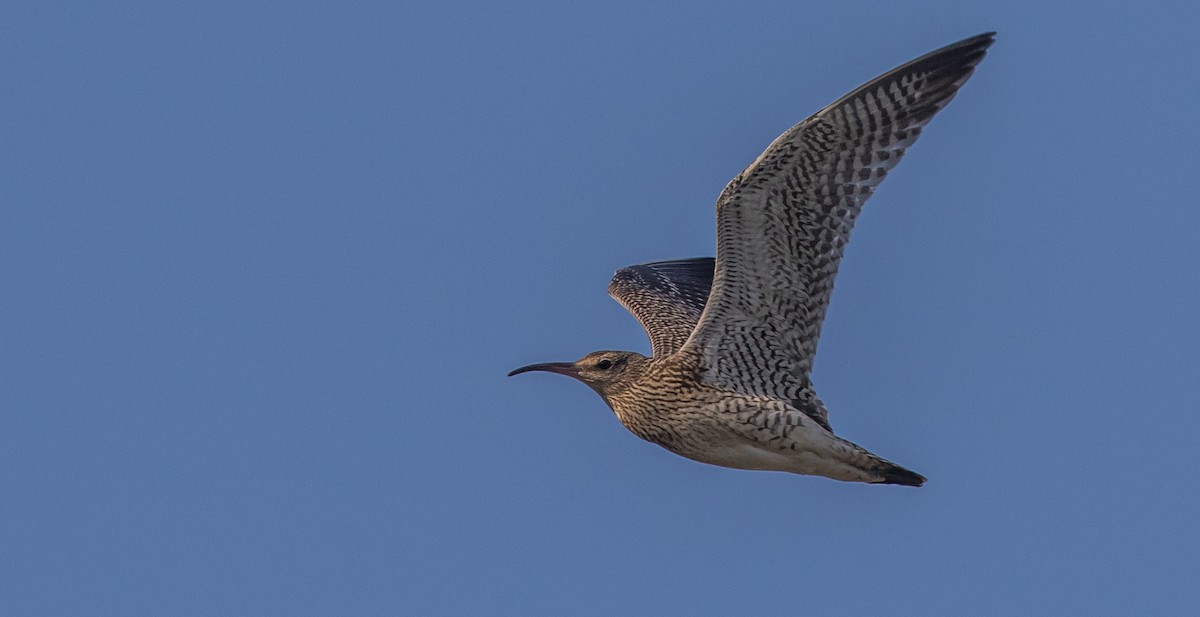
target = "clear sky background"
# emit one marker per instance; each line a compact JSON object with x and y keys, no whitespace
{"x":264,"y":266}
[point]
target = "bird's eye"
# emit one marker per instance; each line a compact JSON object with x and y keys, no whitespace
{"x":604,"y":364}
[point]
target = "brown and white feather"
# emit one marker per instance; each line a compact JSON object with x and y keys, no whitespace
{"x":784,"y":222}
{"x":666,"y":297}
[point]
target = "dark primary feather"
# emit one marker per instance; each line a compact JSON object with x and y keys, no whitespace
{"x":667,"y":297}
{"x":783,"y":223}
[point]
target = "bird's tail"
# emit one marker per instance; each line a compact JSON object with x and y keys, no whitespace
{"x":867,"y":467}
{"x":895,"y":474}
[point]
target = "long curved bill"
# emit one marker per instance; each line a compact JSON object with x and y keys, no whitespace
{"x":562,"y":368}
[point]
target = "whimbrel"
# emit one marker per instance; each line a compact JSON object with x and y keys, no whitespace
{"x":733,"y":339}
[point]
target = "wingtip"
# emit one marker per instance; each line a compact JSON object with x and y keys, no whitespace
{"x":974,"y":48}
{"x":982,"y":40}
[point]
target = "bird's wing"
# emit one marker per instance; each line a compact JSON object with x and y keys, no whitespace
{"x":783,"y":223}
{"x":667,"y":297}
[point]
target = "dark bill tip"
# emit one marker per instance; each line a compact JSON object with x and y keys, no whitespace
{"x":562,"y":368}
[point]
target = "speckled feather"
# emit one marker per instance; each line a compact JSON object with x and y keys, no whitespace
{"x":667,"y":297}
{"x":784,"y":222}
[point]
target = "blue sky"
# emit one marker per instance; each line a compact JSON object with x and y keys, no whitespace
{"x":265,"y":266}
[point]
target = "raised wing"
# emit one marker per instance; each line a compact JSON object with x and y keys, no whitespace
{"x":667,"y":297}
{"x":784,"y":222}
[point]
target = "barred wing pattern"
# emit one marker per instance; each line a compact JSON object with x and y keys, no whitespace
{"x":784,"y":222}
{"x":667,"y":297}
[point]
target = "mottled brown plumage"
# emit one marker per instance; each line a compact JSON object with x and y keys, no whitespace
{"x":734,"y":339}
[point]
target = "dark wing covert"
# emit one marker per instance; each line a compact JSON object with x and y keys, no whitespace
{"x":667,"y":297}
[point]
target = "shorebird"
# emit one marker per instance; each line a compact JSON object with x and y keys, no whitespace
{"x":733,"y":338}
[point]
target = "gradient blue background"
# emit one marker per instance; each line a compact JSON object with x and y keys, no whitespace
{"x":263,"y":268}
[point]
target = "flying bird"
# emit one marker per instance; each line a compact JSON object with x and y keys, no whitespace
{"x":733,"y":338}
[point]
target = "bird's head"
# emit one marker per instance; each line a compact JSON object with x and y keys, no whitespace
{"x":603,"y":371}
